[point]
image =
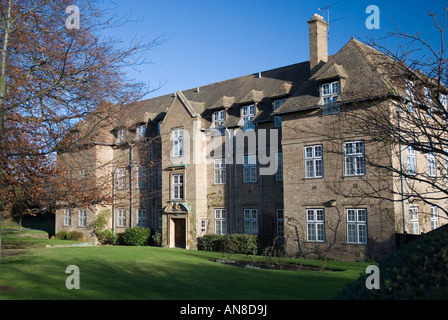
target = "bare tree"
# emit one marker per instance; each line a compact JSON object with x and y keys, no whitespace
{"x":53,"y":74}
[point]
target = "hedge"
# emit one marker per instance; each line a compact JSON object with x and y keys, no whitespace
{"x":415,"y":271}
{"x":134,"y":237}
{"x":232,"y":243}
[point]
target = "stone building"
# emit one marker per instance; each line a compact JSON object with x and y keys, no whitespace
{"x":265,"y":154}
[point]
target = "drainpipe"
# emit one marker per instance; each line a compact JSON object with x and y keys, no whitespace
{"x":230,"y":181}
{"x":131,"y":169}
{"x":401,"y":172}
{"x":113,"y":200}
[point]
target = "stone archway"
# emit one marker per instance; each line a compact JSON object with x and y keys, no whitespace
{"x":177,"y":224}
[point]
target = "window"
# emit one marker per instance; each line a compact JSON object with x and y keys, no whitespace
{"x":279,"y":166}
{"x":142,"y":177}
{"x":203,"y":226}
{"x":141,"y":131}
{"x":121,"y":178}
{"x":354,"y":158}
{"x":434,"y":218}
{"x":250,"y":169}
{"x":178,"y":143}
{"x":221,"y":221}
{"x":159,"y":218}
{"x":121,"y":218}
{"x":357,"y":226}
{"x":141,"y":218}
{"x":159,"y":175}
{"x":443,"y":100}
{"x":178,"y":186}
{"x":413,"y":213}
{"x":428,"y":98}
{"x":431,"y":165}
{"x":121,"y":135}
{"x":280,"y":223}
{"x":219,"y":166}
{"x":278,"y":119}
{"x":82,"y":174}
{"x":218,"y":120}
{"x":248,"y":113}
{"x":250,"y":221}
{"x":67,"y":218}
{"x":82,"y":217}
{"x":330,"y":93}
{"x":410,"y":89}
{"x":313,"y":162}
{"x":412,"y":170}
{"x":315,"y":225}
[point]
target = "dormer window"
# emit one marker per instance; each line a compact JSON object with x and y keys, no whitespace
{"x":248,"y":113}
{"x":443,"y":100}
{"x":410,"y":89}
{"x":329,"y":94}
{"x":218,"y":120}
{"x":121,"y":135}
{"x":141,"y":131}
{"x":278,"y":119}
{"x":428,"y":98}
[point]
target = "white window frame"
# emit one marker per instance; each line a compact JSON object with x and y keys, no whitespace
{"x":315,"y":225}
{"x":248,"y":114}
{"x":413,"y":219}
{"x":121,"y":178}
{"x":434,"y":217}
{"x":141,"y":131}
{"x":279,"y":166}
{"x":178,"y":183}
{"x":354,"y":159}
{"x":432,"y":169}
{"x":356,"y":226}
{"x":67,"y":218}
{"x":203,"y":225}
{"x":314,"y":163}
{"x":443,"y":100}
{"x":428,"y":98}
{"x":221,"y":221}
{"x":280,"y":215}
{"x":251,"y":221}
{"x":411,"y":163}
{"x":218,"y":119}
{"x":141,"y":217}
{"x":277,"y":119}
{"x":121,"y":218}
{"x":219,"y":171}
{"x":82,"y":174}
{"x":329,"y":93}
{"x":121,"y":135}
{"x":142,"y":177}
{"x":178,"y":142}
{"x":82,"y":217}
{"x":250,"y":169}
{"x":410,"y":89}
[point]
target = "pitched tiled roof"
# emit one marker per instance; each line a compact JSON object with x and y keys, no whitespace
{"x":353,"y":64}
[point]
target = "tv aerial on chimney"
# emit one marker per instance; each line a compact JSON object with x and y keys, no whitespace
{"x":328,"y":15}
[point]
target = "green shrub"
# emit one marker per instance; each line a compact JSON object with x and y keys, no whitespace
{"x":105,"y":236}
{"x":75,"y":236}
{"x":231,"y":243}
{"x":157,"y":239}
{"x":211,"y":242}
{"x":62,"y":235}
{"x":136,"y":237}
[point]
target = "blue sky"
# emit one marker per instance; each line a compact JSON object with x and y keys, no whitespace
{"x":211,"y":41}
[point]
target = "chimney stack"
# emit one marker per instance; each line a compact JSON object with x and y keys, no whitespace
{"x":318,"y":40}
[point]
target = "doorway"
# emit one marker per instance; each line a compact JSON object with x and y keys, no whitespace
{"x":180,"y":233}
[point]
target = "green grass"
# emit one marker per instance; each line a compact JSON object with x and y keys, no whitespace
{"x":117,"y":272}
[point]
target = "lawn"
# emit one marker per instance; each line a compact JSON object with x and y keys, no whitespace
{"x":118,"y":272}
